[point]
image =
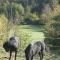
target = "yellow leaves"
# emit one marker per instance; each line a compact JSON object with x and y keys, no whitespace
{"x":56,"y":11}
{"x":3,"y":28}
{"x":3,"y":23}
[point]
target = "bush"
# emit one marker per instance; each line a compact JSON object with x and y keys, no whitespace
{"x":24,"y":39}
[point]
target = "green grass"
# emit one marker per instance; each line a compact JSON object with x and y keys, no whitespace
{"x":34,"y":28}
{"x":35,"y":31}
{"x":52,"y":56}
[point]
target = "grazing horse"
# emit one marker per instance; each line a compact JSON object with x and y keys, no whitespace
{"x":11,"y":46}
{"x":35,"y":48}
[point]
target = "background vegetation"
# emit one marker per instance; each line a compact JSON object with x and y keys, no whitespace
{"x":31,"y":20}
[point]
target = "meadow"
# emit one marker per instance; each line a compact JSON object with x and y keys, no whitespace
{"x":35,"y":32}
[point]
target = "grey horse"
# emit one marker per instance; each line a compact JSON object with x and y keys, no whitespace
{"x":35,"y":48}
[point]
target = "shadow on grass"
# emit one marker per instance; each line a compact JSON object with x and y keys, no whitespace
{"x":1,"y":58}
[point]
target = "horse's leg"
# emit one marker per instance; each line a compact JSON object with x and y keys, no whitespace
{"x":27,"y":56}
{"x":10,"y":55}
{"x":15,"y":54}
{"x":30,"y":57}
{"x":41,"y":55}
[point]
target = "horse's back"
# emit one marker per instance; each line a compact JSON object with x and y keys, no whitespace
{"x":38,"y":44}
{"x":38,"y":47}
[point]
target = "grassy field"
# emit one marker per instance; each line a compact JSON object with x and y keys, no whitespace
{"x":36,"y":33}
{"x":53,"y":56}
{"x":35,"y":30}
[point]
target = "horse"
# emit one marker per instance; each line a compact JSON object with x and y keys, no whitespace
{"x":11,"y":46}
{"x":32,"y":49}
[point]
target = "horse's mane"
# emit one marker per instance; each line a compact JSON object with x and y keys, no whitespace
{"x":28,"y":48}
{"x":12,"y":38}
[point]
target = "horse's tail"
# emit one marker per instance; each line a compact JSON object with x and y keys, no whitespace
{"x":47,"y":49}
{"x":6,"y":46}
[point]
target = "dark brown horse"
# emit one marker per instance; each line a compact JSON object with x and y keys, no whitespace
{"x":11,"y":46}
